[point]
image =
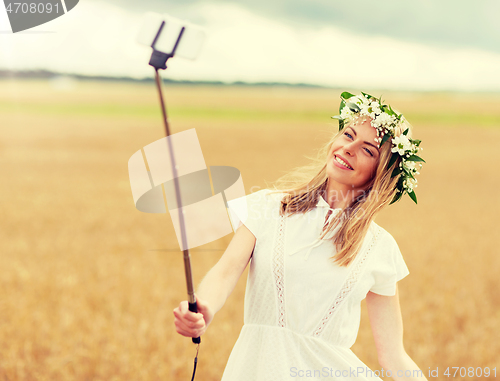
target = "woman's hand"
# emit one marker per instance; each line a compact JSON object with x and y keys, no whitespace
{"x":217,"y":285}
{"x":192,"y":324}
{"x":387,"y":327}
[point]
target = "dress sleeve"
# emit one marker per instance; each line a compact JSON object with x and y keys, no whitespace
{"x":251,"y":211}
{"x":390,"y":267}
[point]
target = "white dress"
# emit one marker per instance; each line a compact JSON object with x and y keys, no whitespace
{"x":302,"y":311}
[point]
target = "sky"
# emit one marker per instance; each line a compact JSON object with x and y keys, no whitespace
{"x":389,"y":44}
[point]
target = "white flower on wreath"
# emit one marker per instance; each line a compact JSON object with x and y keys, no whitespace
{"x":364,"y":109}
{"x":401,"y":144}
{"x":383,"y":120}
{"x":356,"y":100}
{"x":375,"y":106}
{"x":414,"y":149}
{"x":370,"y":109}
{"x":346,"y":113}
{"x":411,"y":166}
{"x":409,"y":184}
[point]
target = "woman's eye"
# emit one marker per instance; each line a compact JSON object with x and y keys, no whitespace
{"x":348,"y":135}
{"x":369,"y":152}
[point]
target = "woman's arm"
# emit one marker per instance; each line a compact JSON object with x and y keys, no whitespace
{"x":387,"y":327}
{"x":216,"y":286}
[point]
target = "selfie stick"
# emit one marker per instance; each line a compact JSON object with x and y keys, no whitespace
{"x":158,"y":61}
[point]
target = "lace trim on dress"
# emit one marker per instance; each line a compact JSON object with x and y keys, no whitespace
{"x":279,"y":271}
{"x":347,"y":287}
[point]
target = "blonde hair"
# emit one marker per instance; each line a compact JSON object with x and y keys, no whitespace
{"x":304,"y":185}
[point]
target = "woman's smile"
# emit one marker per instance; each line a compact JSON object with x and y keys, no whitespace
{"x":342,"y":163}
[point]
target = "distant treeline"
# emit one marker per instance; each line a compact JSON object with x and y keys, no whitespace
{"x":45,"y":74}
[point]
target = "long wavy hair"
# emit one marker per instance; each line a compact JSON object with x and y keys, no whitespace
{"x":304,"y":185}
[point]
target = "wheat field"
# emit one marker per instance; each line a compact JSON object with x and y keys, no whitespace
{"x":88,"y":283}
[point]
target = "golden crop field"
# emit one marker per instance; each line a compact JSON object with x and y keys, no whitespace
{"x":88,"y":283}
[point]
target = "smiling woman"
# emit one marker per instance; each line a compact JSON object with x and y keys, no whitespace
{"x":353,"y":158}
{"x":315,"y":253}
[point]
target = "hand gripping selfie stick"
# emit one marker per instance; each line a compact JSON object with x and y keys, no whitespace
{"x":168,"y":37}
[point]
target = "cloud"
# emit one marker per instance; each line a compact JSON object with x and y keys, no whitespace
{"x":99,"y":38}
{"x":454,"y":23}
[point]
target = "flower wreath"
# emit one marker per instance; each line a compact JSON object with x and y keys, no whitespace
{"x":385,"y":120}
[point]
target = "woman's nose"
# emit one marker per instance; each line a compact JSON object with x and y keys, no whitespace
{"x":348,"y":150}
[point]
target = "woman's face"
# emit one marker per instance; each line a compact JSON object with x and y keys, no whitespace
{"x":353,"y":157}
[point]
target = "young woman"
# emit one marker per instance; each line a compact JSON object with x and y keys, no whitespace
{"x":315,"y":254}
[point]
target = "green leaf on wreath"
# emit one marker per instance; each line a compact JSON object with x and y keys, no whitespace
{"x":396,"y":172}
{"x":385,"y":138}
{"x":413,"y":196}
{"x":342,"y":105}
{"x":394,"y":158}
{"x":415,"y":158}
{"x":353,"y":107}
{"x":391,"y":111}
{"x":396,"y":197}
{"x":346,"y":95}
